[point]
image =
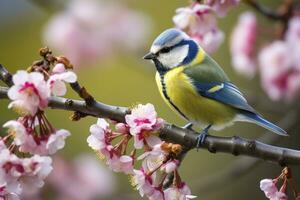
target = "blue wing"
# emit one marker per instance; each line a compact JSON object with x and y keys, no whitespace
{"x":225,"y":92}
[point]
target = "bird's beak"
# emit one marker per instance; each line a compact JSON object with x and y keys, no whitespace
{"x":149,"y":56}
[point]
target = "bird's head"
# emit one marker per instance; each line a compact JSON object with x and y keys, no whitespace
{"x":172,"y":48}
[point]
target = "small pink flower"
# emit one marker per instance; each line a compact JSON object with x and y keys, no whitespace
{"x":142,"y":120}
{"x":143,"y":182}
{"x":29,"y":92}
{"x":56,"y":82}
{"x":170,"y":166}
{"x":18,"y":130}
{"x":152,"y":159}
{"x":23,"y":137}
{"x":56,"y":140}
{"x":221,"y":7}
{"x":97,"y":140}
{"x":268,"y":186}
{"x":37,"y":168}
{"x":121,"y":164}
{"x":59,"y":68}
{"x":198,"y":19}
{"x":11,"y":167}
{"x":182,"y":192}
{"x":122,"y":128}
{"x":242,"y":44}
{"x":19,"y":173}
{"x":210,"y":41}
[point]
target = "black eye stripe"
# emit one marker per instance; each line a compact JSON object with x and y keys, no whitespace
{"x":165,"y":50}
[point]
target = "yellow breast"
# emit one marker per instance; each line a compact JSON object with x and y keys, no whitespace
{"x":181,"y":93}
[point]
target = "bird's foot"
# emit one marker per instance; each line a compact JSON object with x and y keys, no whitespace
{"x":188,"y":126}
{"x":201,"y":137}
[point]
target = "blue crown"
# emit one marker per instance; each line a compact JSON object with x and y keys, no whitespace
{"x":166,"y":36}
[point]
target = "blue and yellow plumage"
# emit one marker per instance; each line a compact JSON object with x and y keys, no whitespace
{"x":195,"y":86}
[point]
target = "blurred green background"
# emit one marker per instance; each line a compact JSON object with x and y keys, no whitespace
{"x":126,"y":79}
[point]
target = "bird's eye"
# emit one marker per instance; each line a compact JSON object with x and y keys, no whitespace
{"x":165,"y":50}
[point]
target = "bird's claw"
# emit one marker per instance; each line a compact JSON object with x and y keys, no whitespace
{"x":201,"y":137}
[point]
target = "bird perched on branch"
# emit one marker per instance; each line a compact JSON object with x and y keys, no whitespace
{"x":195,"y":86}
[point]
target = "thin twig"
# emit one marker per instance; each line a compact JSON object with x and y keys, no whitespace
{"x":266,"y":11}
{"x":5,"y":76}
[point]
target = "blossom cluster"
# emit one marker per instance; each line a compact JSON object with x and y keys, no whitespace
{"x":17,"y":174}
{"x":30,"y":139}
{"x":199,"y":22}
{"x":88,"y":31}
{"x":159,"y":159}
{"x":269,"y":186}
{"x":277,"y":61}
{"x":279,"y":64}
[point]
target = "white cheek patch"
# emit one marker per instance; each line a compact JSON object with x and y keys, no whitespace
{"x":174,"y":57}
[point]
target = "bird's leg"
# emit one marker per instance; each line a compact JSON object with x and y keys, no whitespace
{"x":201,"y":137}
{"x":188,"y":126}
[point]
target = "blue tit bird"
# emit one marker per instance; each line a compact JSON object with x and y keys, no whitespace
{"x":197,"y":88}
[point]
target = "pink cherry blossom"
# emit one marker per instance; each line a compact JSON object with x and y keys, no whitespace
{"x":29,"y":92}
{"x":152,"y":159}
{"x":170,"y":166}
{"x":182,"y":192}
{"x":280,"y":76}
{"x":122,"y":128}
{"x":25,"y":138}
{"x":11,"y":169}
{"x":142,"y":120}
{"x":36,"y":168}
{"x":56,"y":82}
{"x":123,"y":164}
{"x":199,"y":22}
{"x":197,"y":19}
{"x":19,"y":173}
{"x":221,"y":7}
{"x":268,"y":186}
{"x":89,"y":30}
{"x":143,"y":182}
{"x":59,"y":68}
{"x":18,"y":130}
{"x":242,"y":44}
{"x":209,"y":41}
{"x":98,"y":138}
{"x":56,"y":141}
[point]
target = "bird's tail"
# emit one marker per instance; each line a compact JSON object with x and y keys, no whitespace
{"x":259,"y":120}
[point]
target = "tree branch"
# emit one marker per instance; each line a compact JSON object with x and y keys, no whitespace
{"x":280,"y":15}
{"x":234,"y":145}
